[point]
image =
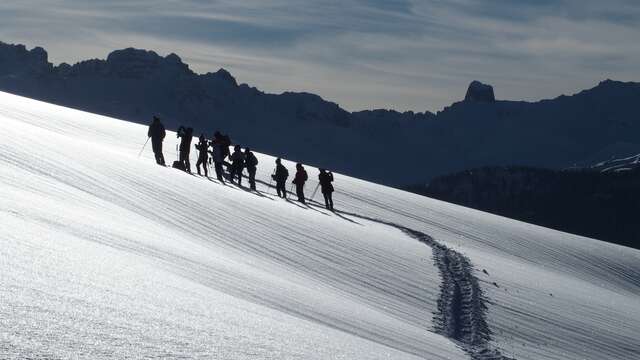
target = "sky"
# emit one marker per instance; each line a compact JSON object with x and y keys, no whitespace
{"x":361,"y":54}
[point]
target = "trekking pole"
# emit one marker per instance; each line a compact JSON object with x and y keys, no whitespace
{"x":271,"y":179}
{"x":315,"y":191}
{"x":143,"y":146}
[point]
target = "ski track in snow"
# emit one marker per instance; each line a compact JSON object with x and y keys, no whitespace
{"x":461,"y":305}
{"x":106,"y":255}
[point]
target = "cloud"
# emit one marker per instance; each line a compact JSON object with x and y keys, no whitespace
{"x":403,"y":54}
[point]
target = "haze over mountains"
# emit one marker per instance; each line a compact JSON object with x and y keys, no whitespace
{"x":384,"y":146}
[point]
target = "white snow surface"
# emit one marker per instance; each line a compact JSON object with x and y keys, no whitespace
{"x":107,"y":255}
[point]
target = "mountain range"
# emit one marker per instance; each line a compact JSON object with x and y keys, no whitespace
{"x":384,"y":146}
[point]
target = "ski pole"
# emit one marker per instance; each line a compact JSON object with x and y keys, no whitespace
{"x":315,"y":191}
{"x":271,"y":178}
{"x":143,"y":146}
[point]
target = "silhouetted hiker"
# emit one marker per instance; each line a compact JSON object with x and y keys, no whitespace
{"x":203,"y":147}
{"x":157,"y":133}
{"x":237,"y":164}
{"x":251,"y":163}
{"x":280,"y":176}
{"x":218,"y":155}
{"x":326,"y":178}
{"x":226,"y":142}
{"x":300,"y":178}
{"x":186,"y":135}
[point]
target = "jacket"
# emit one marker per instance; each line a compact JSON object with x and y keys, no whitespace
{"x":301,"y":177}
{"x":202,"y":147}
{"x":237,"y":158}
{"x":281,"y":173}
{"x":325,"y":182}
{"x":250,"y":160}
{"x":156,"y":131}
{"x":218,"y":151}
{"x":185,"y":141}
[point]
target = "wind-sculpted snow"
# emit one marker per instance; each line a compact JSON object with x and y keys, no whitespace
{"x":106,"y":255}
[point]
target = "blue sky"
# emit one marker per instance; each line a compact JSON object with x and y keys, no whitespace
{"x":362,"y":54}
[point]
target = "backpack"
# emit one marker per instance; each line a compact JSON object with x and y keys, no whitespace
{"x":252,"y":160}
{"x":178,"y":165}
{"x":281,"y":173}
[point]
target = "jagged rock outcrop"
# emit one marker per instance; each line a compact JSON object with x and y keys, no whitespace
{"x":480,"y":92}
{"x":17,"y":59}
{"x":141,"y":64}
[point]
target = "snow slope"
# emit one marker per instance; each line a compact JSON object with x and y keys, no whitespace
{"x":618,"y":165}
{"x":104,"y":255}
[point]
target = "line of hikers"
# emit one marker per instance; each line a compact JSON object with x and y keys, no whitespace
{"x":239,"y":161}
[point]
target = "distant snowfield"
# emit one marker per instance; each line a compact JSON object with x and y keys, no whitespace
{"x":104,"y":254}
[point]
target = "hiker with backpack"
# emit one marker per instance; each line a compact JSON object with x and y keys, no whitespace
{"x":186,"y":135}
{"x":218,"y":155}
{"x":326,"y":178}
{"x":237,"y":164}
{"x":157,"y":133}
{"x":280,"y":176}
{"x":299,"y":180}
{"x":202,"y":146}
{"x":251,"y":163}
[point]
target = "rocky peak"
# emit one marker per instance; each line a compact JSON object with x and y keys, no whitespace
{"x":17,"y":59}
{"x":221,"y":76}
{"x":136,"y":63}
{"x":479,"y":92}
{"x":133,"y":63}
{"x":226,"y":76}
